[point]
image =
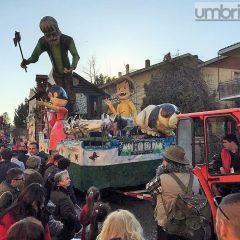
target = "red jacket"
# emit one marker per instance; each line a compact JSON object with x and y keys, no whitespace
{"x":226,"y":160}
{"x":83,"y":221}
{"x":8,"y":220}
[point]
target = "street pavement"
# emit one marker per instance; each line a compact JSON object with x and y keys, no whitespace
{"x":142,"y":209}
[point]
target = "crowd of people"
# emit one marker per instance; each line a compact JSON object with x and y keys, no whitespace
{"x":38,"y":202}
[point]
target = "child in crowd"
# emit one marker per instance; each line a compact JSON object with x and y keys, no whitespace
{"x":99,"y":214}
{"x":92,"y":196}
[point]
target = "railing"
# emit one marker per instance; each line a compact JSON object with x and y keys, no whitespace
{"x":229,"y":90}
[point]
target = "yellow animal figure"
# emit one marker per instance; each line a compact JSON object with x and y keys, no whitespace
{"x":126,"y":108}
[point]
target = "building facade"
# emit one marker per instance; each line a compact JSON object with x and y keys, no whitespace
{"x":221,"y":74}
{"x":143,"y":76}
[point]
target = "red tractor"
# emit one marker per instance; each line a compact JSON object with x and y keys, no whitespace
{"x":201,"y":134}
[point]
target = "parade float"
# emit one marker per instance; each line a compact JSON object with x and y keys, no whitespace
{"x":107,"y":152}
{"x":114,"y":163}
{"x":120,"y":149}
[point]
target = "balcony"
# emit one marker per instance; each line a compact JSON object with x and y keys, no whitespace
{"x":229,"y":90}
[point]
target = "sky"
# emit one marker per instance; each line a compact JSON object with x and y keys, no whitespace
{"x":115,"y":32}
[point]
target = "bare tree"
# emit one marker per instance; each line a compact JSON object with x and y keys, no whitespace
{"x":91,"y":70}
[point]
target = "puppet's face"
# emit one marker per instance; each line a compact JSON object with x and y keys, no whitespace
{"x":170,"y":123}
{"x":123,"y":90}
{"x":173,"y":121}
{"x":53,"y":37}
{"x":166,"y":125}
{"x":57,"y":101}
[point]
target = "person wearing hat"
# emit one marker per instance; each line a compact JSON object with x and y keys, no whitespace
{"x":174,"y":161}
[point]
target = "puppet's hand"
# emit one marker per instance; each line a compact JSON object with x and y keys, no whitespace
{"x":108,"y":102}
{"x":41,"y":103}
{"x":68,"y":70}
{"x":24,"y":63}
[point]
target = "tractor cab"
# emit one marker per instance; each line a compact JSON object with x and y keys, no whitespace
{"x":201,"y":135}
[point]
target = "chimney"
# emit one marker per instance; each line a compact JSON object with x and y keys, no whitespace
{"x":41,"y":81}
{"x":127,"y":68}
{"x":196,"y":58}
{"x":119,"y":74}
{"x":147,"y":63}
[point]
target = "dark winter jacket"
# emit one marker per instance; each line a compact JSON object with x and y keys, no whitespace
{"x":65,"y":212}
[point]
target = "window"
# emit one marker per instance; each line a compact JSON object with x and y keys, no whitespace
{"x":184,"y":132}
{"x":236,"y":75}
{"x":217,"y":128}
{"x":191,"y":137}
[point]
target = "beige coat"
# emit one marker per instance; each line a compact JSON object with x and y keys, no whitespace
{"x":170,"y":191}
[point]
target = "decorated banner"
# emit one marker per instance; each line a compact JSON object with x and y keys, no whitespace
{"x":115,"y":153}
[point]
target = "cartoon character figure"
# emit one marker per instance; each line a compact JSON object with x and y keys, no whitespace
{"x":125,"y":108}
{"x":57,"y":46}
{"x":158,"y":120}
{"x":59,"y":100}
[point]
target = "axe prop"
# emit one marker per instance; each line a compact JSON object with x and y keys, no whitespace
{"x":16,"y":41}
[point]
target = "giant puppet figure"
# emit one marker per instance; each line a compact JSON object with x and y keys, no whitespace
{"x":126,"y":108}
{"x":59,"y":100}
{"x":57,"y":46}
